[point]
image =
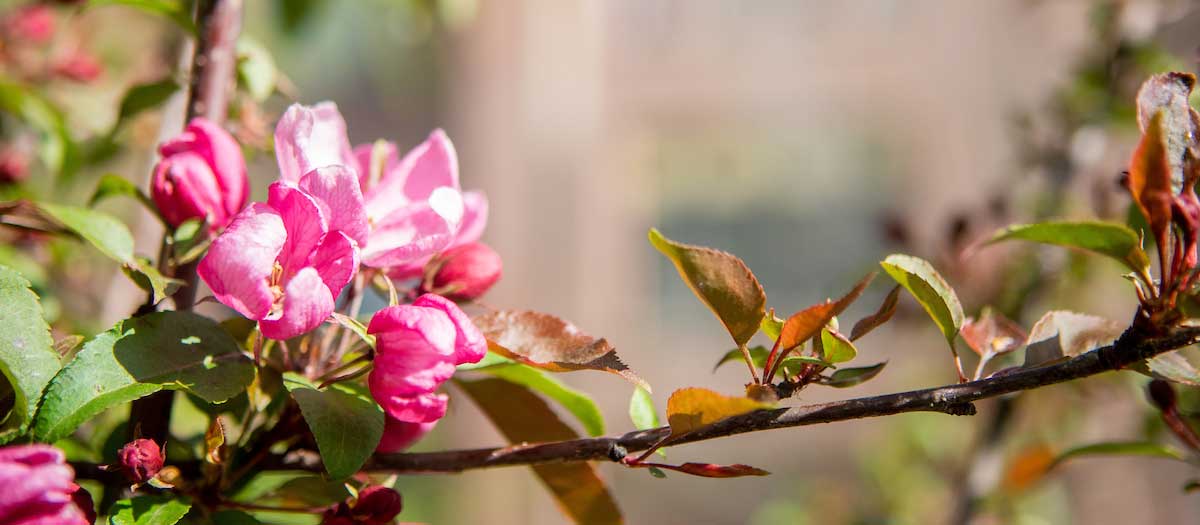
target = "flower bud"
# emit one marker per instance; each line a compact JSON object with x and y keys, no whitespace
{"x":202,"y":175}
{"x":32,"y":23}
{"x":83,"y":500}
{"x":14,"y":165}
{"x":467,"y":272}
{"x":140,"y":459}
{"x":377,"y":505}
{"x":79,"y":66}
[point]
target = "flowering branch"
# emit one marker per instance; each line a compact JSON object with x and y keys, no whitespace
{"x":1133,"y":346}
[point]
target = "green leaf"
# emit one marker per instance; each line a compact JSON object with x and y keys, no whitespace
{"x":346,"y":421}
{"x":523,"y":417}
{"x":1106,"y":238}
{"x":1132,"y":448}
{"x":27,"y":357}
{"x":142,"y":97}
{"x":771,"y":326}
{"x":149,"y":510}
{"x":758,"y":354}
{"x":140,"y":356}
{"x":838,"y":349}
{"x":190,"y":240}
{"x":256,"y":69}
{"x":848,"y":377}
{"x":642,"y":411}
{"x":233,"y":517}
{"x":112,"y":185}
{"x":923,"y":282}
{"x":102,"y":230}
{"x":147,"y":277}
{"x":174,"y":10}
{"x":722,"y":281}
{"x":489,"y":360}
{"x":57,"y":150}
{"x":576,"y":402}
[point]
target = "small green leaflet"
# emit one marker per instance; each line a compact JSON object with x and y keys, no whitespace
{"x":1105,"y":238}
{"x":346,"y":421}
{"x":927,"y":286}
{"x":27,"y":357}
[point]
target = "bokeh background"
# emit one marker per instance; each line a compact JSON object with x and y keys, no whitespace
{"x":811,"y":138}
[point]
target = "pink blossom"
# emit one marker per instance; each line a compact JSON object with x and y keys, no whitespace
{"x":14,"y":165}
{"x":79,"y":66}
{"x":399,"y":435}
{"x":415,"y":209}
{"x":467,"y":272}
{"x":283,"y":262}
{"x":39,"y":488}
{"x":202,"y":174}
{"x":417,"y":348}
{"x":32,"y":23}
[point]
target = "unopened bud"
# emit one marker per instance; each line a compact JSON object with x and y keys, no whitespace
{"x":1162,"y":395}
{"x":467,"y":272}
{"x":141,"y":459}
{"x":377,"y":505}
{"x":14,"y":165}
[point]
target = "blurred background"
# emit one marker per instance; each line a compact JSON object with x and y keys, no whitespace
{"x":810,"y":138}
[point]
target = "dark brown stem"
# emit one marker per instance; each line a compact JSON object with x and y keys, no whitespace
{"x":1133,"y":346}
{"x":213,"y":69}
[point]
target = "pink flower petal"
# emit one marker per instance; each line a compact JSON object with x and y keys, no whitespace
{"x":425,"y":408}
{"x":335,"y":260}
{"x":184,"y":186}
{"x":306,"y":304}
{"x":407,"y":235}
{"x":225,"y":156}
{"x":239,"y":262}
{"x":399,"y":435}
{"x":431,"y":165}
{"x":304,"y":221}
{"x":311,"y":137}
{"x":362,"y":157}
{"x":474,"y":219}
{"x":415,"y":349}
{"x":469,"y":343}
{"x":336,"y":190}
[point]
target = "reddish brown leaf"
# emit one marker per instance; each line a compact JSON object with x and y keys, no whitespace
{"x":882,"y":315}
{"x":722,"y":281}
{"x":992,"y":334}
{"x":709,"y":470}
{"x":1150,"y":180}
{"x":550,"y":343}
{"x":1030,"y":466}
{"x":523,"y":417}
{"x":808,"y":322}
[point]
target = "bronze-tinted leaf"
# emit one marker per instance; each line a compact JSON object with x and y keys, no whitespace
{"x":691,"y":408}
{"x":1060,"y":334}
{"x":1167,"y":94}
{"x":882,"y":315}
{"x":1150,"y":179}
{"x":523,"y":417}
{"x":722,"y":281}
{"x":709,"y":470}
{"x":807,"y":323}
{"x":550,"y":343}
{"x":992,"y":334}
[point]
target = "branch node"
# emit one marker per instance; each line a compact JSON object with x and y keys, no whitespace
{"x":960,"y":409}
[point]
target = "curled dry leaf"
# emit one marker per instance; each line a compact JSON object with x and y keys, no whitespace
{"x":1150,"y":179}
{"x":708,"y":470}
{"x":992,"y":334}
{"x":1167,"y":94}
{"x":722,"y":281}
{"x":550,"y":343}
{"x":882,"y":315}
{"x":1061,"y":334}
{"x":691,"y":408}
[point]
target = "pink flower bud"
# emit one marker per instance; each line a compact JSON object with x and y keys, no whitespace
{"x":140,"y":460}
{"x":32,"y":23}
{"x":467,"y":272}
{"x":83,"y":500}
{"x":202,"y":174}
{"x":377,"y":505}
{"x":14,"y":165}
{"x":79,"y":66}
